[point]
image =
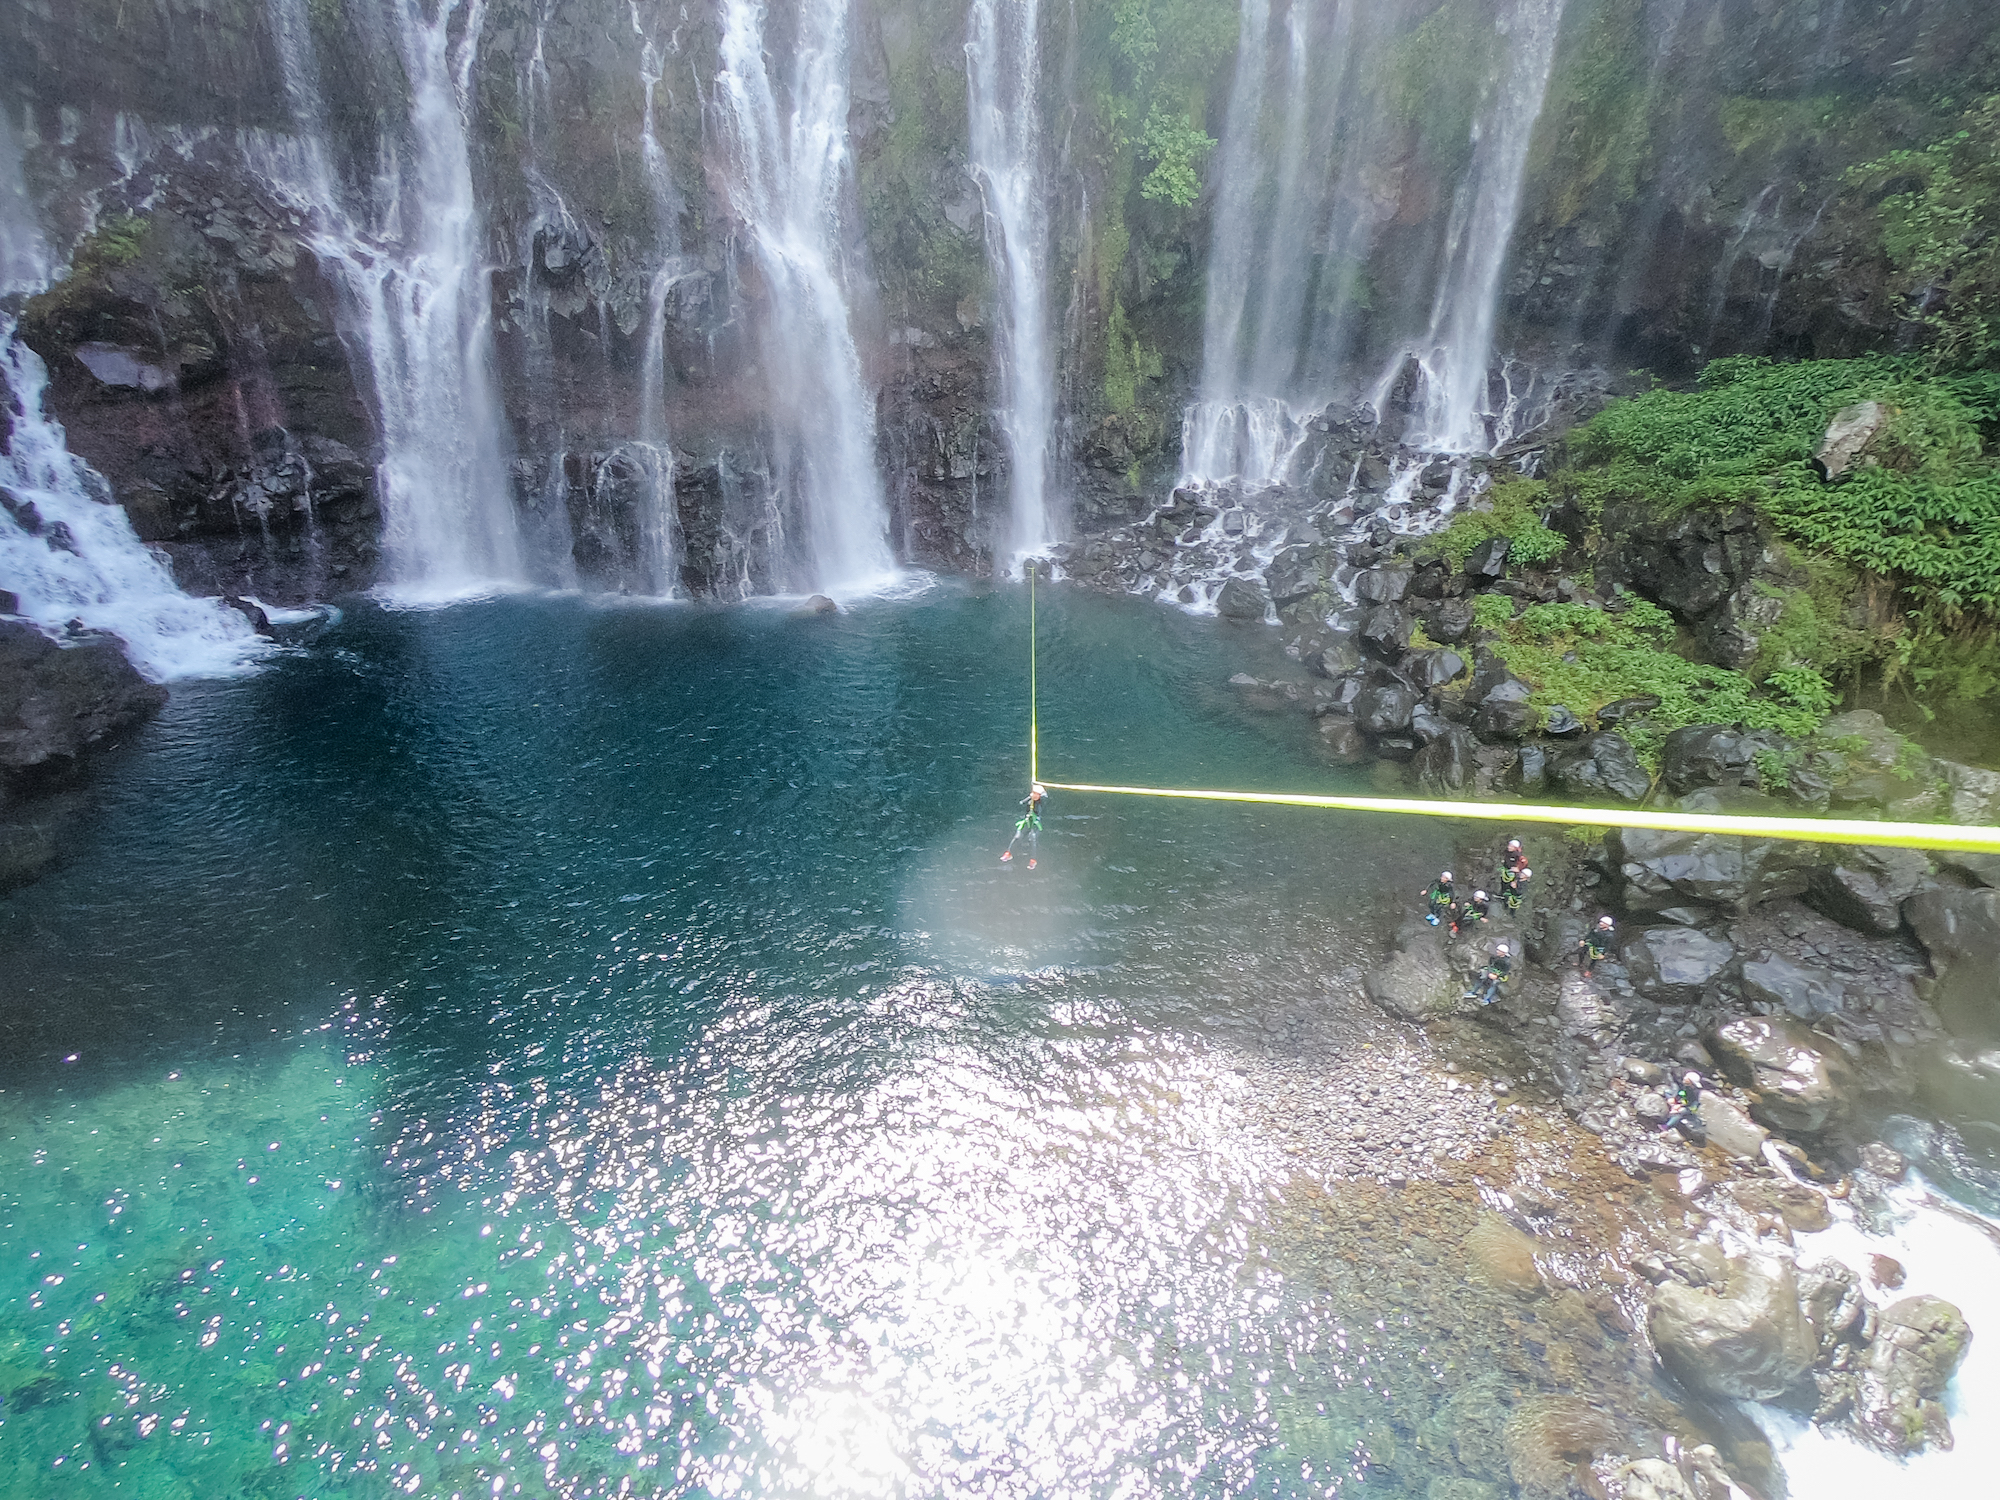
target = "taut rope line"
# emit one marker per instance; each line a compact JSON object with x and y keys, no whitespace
{"x":1970,"y":840}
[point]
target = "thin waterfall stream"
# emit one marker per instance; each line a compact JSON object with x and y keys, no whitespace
{"x":1003,"y":69}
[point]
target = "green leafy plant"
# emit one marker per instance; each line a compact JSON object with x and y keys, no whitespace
{"x":1512,"y":508}
{"x":1176,"y":146}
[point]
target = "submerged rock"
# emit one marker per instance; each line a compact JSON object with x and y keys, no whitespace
{"x":1745,"y":1340}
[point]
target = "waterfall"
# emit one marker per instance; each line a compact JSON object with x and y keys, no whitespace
{"x":405,"y":245}
{"x":788,"y":170}
{"x":1003,"y":74}
{"x":1455,"y":354}
{"x":1268,"y":229}
{"x":655,"y":445}
{"x":67,"y":550}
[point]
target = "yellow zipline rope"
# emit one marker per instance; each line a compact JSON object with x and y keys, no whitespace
{"x":1809,"y":830}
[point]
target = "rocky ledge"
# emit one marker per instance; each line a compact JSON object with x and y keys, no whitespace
{"x":60,"y":701}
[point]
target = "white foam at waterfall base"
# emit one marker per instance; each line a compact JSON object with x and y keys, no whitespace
{"x":1945,"y":1256}
{"x":84,"y":562}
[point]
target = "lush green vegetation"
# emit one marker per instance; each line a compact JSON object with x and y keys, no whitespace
{"x":1938,"y":215}
{"x":1583,"y":657}
{"x":1512,"y":509}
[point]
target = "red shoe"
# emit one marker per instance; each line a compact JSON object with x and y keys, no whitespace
{"x":1007,"y":856}
{"x":1031,"y":864}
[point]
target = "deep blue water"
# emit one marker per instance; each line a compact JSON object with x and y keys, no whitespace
{"x":543,"y":1047}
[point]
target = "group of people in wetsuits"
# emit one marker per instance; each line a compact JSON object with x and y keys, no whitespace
{"x":1443,"y":908}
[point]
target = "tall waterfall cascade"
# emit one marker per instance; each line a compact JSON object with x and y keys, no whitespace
{"x":67,"y":550}
{"x":1003,"y":74}
{"x":1290,"y":231}
{"x":790,"y":170}
{"x":1456,"y":352}
{"x":404,"y":240}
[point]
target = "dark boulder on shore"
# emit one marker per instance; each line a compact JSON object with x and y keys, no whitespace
{"x":56,"y":701}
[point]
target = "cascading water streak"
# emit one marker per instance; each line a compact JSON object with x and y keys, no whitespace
{"x":406,"y":250}
{"x":789,"y":166}
{"x":655,"y":445}
{"x":67,"y":550}
{"x":1003,"y":74}
{"x":1456,"y":352}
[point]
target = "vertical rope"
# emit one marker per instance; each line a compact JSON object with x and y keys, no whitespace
{"x":1034,"y":709}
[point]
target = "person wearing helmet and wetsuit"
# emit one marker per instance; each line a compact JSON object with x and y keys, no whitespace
{"x":1496,"y":973}
{"x":1030,"y":824}
{"x":1440,"y":897}
{"x":1594,"y":945}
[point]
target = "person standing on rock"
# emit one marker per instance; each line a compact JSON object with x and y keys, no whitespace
{"x":1496,"y":973}
{"x":1030,"y":824}
{"x":1512,"y":878}
{"x":1440,"y":896}
{"x":1594,"y":945}
{"x":1515,"y":858}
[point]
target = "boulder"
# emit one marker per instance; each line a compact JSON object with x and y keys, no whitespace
{"x":1381,"y":585}
{"x":1960,"y":931}
{"x":1672,"y":965}
{"x":1729,"y":1129}
{"x":1505,"y":713}
{"x":1242,"y":601}
{"x":1340,"y":742}
{"x":1385,"y":631}
{"x":1867,"y":742}
{"x":1341,"y":696}
{"x":1917,"y":1348}
{"x":1531,"y":770}
{"x":1432,"y":669}
{"x":1848,"y":437}
{"x":1446,"y":767}
{"x":1865,"y":888}
{"x":1384,"y":708}
{"x":1601,"y":767}
{"x":1619,"y":710}
{"x":1801,"y":991}
{"x":1796,"y":1085}
{"x":1293,"y":574}
{"x":1972,"y":795}
{"x":1501,"y":1256}
{"x":58,"y":700}
{"x":1661,"y":869}
{"x":1561,"y":723}
{"x":1703,"y":755}
{"x":1449,"y":621}
{"x":1427,"y":724}
{"x":1652,"y":1479}
{"x":1490,"y":675}
{"x":1830,"y":1295}
{"x":1417,"y":982}
{"x":1489,"y":558}
{"x":1745,"y":1340}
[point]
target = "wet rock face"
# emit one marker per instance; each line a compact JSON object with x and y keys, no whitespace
{"x":1716,"y":570}
{"x":1960,"y":931}
{"x":1865,"y":888}
{"x":58,"y":701}
{"x":1661,"y":870}
{"x":1744,"y":1338}
{"x":1602,"y":768}
{"x":1797,"y":1085}
{"x":1711,"y":755}
{"x":1918,"y":1345}
{"x":1801,"y":990}
{"x":1673,"y":965}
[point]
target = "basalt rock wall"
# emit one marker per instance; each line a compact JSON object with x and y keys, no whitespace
{"x":1690,"y":191}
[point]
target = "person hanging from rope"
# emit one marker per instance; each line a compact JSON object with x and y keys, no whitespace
{"x":1030,"y":824}
{"x":1594,"y":945}
{"x":1499,"y":968}
{"x":1440,"y":897}
{"x":1512,"y":878}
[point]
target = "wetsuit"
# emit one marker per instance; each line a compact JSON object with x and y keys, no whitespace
{"x":1030,"y":825}
{"x":1591,"y":949}
{"x":1440,"y":897}
{"x":1687,"y":1107}
{"x":1510,"y":886}
{"x":1474,"y":911}
{"x":1495,"y":974}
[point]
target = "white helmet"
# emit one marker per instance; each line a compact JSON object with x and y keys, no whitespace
{"x":1605,"y":920}
{"x":1513,"y":843}
{"x":1501,"y":950}
{"x":1444,"y":875}
{"x":1526,"y":873}
{"x":1479,"y":895}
